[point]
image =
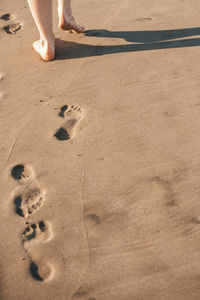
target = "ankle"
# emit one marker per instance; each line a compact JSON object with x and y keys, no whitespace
{"x":48,"y":42}
{"x":68,"y":11}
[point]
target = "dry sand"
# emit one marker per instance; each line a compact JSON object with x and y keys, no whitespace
{"x":100,"y":154}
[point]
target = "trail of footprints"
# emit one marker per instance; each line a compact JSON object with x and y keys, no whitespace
{"x":11,"y":27}
{"x":29,"y":198}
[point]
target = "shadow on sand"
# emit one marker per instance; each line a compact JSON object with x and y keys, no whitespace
{"x":142,"y":41}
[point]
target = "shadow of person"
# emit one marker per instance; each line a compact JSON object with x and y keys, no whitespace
{"x":144,"y":41}
{"x":145,"y":36}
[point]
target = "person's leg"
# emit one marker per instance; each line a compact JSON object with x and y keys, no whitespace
{"x":66,"y":20}
{"x":42,"y":14}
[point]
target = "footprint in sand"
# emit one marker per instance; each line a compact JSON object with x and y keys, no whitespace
{"x":21,"y":172}
{"x":73,"y":116}
{"x":7,"y":17}
{"x":28,"y":200}
{"x":33,"y":236}
{"x":36,"y":233}
{"x":12,"y":28}
{"x":41,"y":271}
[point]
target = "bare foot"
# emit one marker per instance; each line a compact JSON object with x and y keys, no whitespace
{"x":45,"y":49}
{"x":67,"y":22}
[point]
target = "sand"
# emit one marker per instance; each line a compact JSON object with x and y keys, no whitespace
{"x":99,"y":154}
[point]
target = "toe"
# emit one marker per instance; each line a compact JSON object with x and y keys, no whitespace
{"x":79,"y":29}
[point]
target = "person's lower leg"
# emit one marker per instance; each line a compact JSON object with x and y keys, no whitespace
{"x":66,"y":20}
{"x":42,"y":13}
{"x":65,"y":5}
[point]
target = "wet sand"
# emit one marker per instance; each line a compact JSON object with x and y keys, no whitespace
{"x":99,"y":154}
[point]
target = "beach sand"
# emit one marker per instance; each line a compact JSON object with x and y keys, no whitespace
{"x":100,"y":154}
